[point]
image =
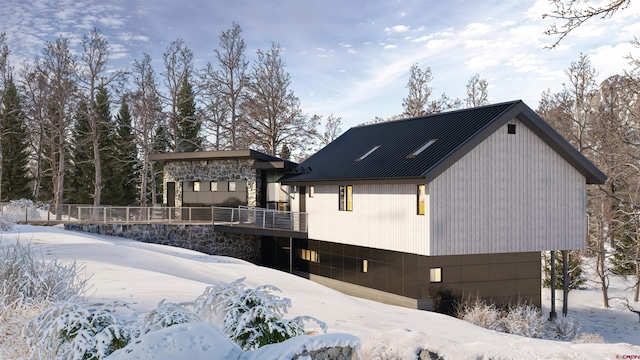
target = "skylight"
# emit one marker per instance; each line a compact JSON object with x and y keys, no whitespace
{"x":422,"y":148}
{"x":368,"y":153}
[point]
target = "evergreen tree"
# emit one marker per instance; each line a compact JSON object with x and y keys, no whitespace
{"x":576,"y":278}
{"x":82,"y":172}
{"x":161,"y":144}
{"x":285,"y":153}
{"x":126,"y":153}
{"x":189,"y":138}
{"x":15,"y":147}
{"x":112,"y":191}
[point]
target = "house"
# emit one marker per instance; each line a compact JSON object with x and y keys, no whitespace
{"x":462,"y":201}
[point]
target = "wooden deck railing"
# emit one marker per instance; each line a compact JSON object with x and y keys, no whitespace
{"x":242,"y":216}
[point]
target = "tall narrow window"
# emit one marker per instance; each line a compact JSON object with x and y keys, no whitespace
{"x":214,"y":186}
{"x":345,"y":198}
{"x":422,"y":199}
{"x":232,"y":186}
{"x":312,"y":191}
{"x":196,"y":186}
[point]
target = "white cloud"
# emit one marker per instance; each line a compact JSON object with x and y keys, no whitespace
{"x":390,"y":46}
{"x":396,"y":29}
{"x":127,"y":36}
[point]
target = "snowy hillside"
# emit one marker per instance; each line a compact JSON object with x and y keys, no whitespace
{"x":139,"y":275}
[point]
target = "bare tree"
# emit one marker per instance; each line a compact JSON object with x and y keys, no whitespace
{"x":146,"y":113}
{"x":59,"y":68}
{"x":34,"y":88}
{"x":92,"y":74}
{"x":5,"y":74}
{"x":416,"y":102}
{"x":477,"y":91}
{"x":575,"y":12}
{"x":229,"y":81}
{"x":215,"y":111}
{"x":178,"y":65}
{"x":273,"y":111}
{"x":332,"y":129}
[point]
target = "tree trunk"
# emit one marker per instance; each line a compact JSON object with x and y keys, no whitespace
{"x":97,"y":194}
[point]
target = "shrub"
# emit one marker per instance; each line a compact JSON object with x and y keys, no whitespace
{"x":588,"y":338}
{"x":445,"y":301}
{"x":519,"y":319}
{"x":72,"y":331}
{"x":165,"y":315}
{"x":251,"y":317}
{"x":482,"y":314}
{"x":25,"y":277}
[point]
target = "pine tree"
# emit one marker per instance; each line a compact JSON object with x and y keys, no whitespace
{"x":285,"y":153}
{"x":112,"y":191}
{"x":82,"y":172}
{"x":15,"y":147}
{"x":189,"y":138}
{"x":125,"y":152}
{"x":576,"y":278}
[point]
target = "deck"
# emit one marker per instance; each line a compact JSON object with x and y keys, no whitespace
{"x":241,"y":219}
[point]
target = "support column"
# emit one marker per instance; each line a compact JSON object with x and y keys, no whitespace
{"x":565,"y":282}
{"x":552,"y":314}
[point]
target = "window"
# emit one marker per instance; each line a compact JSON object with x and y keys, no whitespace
{"x":422,"y":148}
{"x":196,"y":186}
{"x":214,"y":186}
{"x":511,"y":128}
{"x":311,"y":191}
{"x":368,"y":153}
{"x":365,"y":265}
{"x":435,"y":275}
{"x":232,"y":186}
{"x":422,"y":199}
{"x":345,"y":198}
{"x":309,"y":255}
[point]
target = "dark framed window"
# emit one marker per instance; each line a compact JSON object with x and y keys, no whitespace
{"x":422,"y":199}
{"x":435,"y":275}
{"x":511,"y":128}
{"x":345,"y":198}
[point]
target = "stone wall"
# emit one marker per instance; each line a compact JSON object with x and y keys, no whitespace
{"x":201,"y":238}
{"x":213,"y":170}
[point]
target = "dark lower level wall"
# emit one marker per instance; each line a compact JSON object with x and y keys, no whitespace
{"x":201,"y":238}
{"x":500,"y":278}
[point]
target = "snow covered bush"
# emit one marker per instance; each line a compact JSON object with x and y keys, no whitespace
{"x":524,"y":320}
{"x":17,"y":210}
{"x":518,"y":319}
{"x":167,"y":314}
{"x":75,"y":332}
{"x":251,"y":317}
{"x":26,"y":278}
{"x":482,"y":314}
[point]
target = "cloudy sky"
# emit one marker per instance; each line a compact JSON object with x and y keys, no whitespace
{"x":350,"y":58}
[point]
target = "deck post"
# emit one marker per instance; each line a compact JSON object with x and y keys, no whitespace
{"x":552,"y":314}
{"x":565,"y":282}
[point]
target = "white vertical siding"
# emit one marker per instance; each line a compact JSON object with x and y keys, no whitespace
{"x":384,"y":216}
{"x":512,"y":193}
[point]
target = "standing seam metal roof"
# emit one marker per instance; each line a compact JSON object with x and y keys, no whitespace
{"x":457,"y":132}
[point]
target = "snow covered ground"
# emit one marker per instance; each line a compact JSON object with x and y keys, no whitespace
{"x":140,"y":275}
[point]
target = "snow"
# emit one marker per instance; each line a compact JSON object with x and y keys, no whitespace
{"x":141,"y":275}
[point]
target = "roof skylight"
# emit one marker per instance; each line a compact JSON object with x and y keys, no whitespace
{"x":422,"y":148}
{"x":368,"y":153}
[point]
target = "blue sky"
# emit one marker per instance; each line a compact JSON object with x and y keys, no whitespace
{"x":349,"y":58}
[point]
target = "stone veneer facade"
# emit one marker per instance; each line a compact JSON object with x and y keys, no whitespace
{"x":201,"y":238}
{"x":213,"y":170}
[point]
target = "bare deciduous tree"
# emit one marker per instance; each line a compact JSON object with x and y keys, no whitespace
{"x":178,"y":65}
{"x":59,"y":67}
{"x":416,"y":102}
{"x":575,"y":12}
{"x":273,"y":111}
{"x":477,"y":91}
{"x":146,"y":112}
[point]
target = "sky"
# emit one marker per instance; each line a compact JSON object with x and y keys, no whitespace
{"x":347,"y":58}
{"x":130,"y":278}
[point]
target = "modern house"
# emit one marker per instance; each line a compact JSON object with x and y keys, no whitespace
{"x":462,"y":201}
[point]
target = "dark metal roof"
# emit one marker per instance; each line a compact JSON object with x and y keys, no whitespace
{"x":266,"y":161}
{"x":457,"y":132}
